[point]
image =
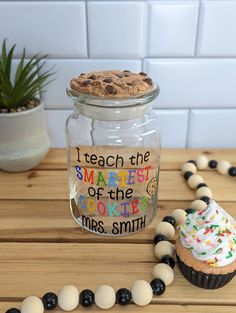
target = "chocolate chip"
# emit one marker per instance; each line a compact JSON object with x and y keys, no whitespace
{"x":107,"y":80}
{"x":143,"y":74}
{"x":119,"y":75}
{"x":86,"y":83}
{"x":82,"y":74}
{"x":148,"y":81}
{"x":126,"y":71}
{"x":110,"y":89}
{"x":130,"y":84}
{"x":93,"y":77}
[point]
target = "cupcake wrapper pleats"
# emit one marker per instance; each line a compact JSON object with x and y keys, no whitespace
{"x":203,"y":280}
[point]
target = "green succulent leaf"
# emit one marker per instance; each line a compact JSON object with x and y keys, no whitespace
{"x":30,"y":78}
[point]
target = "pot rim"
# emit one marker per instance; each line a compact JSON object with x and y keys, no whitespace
{"x":14,"y":114}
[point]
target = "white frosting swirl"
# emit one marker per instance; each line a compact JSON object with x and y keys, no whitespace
{"x":210,"y":235}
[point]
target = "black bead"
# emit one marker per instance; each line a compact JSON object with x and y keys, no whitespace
{"x":168,"y":260}
{"x":123,"y":296}
{"x":187,"y":175}
{"x":232,"y":171}
{"x":169,"y":219}
{"x":201,"y":185}
{"x":205,"y":199}
{"x":158,"y":238}
{"x":212,"y":164}
{"x":13,"y":310}
{"x":158,"y":286}
{"x":86,"y":298}
{"x":50,"y":301}
{"x":192,"y":161}
{"x":190,"y":211}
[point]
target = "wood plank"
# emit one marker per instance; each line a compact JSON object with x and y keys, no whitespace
{"x":34,"y":185}
{"x":42,"y":184}
{"x":34,"y":268}
{"x":171,"y":159}
{"x":51,"y":221}
{"x":151,"y":308}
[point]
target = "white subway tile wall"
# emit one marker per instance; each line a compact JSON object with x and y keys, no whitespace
{"x":54,"y":28}
{"x":217,"y":27}
{"x":172,"y":27}
{"x":116,"y":29}
{"x":207,"y":124}
{"x":188,"y":47}
{"x":193,"y":82}
{"x":173,"y":127}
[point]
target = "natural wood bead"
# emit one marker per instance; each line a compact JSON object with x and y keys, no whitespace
{"x":202,"y":162}
{"x":32,"y":304}
{"x":163,"y":272}
{"x":189,"y":167}
{"x":105,"y":297}
{"x":204,"y":192}
{"x":163,"y":248}
{"x":179,"y":215}
{"x":198,"y":205}
{"x":165,"y":229}
{"x":141,"y":292}
{"x":223,"y":167}
{"x":68,"y":298}
{"x":194,"y":180}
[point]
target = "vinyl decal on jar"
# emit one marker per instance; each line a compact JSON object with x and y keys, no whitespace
{"x":114,"y":190}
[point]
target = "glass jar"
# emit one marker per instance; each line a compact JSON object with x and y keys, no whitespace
{"x":113,"y":162}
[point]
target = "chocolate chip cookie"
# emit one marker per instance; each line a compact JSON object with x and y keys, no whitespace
{"x":152,"y":186}
{"x":114,"y":83}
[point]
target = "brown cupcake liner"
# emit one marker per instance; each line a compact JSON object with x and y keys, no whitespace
{"x":203,"y":280}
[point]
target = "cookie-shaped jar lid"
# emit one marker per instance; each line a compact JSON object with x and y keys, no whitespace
{"x":114,"y":83}
{"x":112,"y":89}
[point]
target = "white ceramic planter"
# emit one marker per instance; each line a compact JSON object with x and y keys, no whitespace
{"x":24,"y":141}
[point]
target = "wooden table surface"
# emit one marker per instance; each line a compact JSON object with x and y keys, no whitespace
{"x":42,"y":248}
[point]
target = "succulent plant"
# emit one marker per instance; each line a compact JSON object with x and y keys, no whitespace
{"x":16,"y":90}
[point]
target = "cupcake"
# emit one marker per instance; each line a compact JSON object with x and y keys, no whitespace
{"x":206,"y":247}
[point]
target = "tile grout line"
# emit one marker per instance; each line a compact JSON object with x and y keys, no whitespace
{"x":197,"y":36}
{"x":87,"y":28}
{"x":160,"y":109}
{"x":146,"y":16}
{"x":188,"y":129}
{"x":74,"y":58}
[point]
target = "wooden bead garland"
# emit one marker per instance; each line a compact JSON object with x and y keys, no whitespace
{"x":202,"y":162}
{"x":179,"y":215}
{"x":165,"y":229}
{"x":142,"y":292}
{"x":163,"y":248}
{"x":68,"y":298}
{"x":194,"y":180}
{"x":32,"y":304}
{"x":204,"y":192}
{"x":198,"y":205}
{"x":189,"y":167}
{"x":105,"y":297}
{"x":164,"y":272}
